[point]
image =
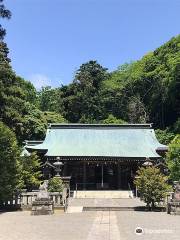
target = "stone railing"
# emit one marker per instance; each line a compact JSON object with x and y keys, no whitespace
{"x":12,"y":204}
{"x":25,"y":199}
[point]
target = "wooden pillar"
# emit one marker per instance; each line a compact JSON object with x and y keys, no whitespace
{"x":65,"y":169}
{"x":102,"y":176}
{"x":119,"y":172}
{"x":84,"y":176}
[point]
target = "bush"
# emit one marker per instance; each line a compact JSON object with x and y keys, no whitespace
{"x":55,"y":185}
{"x":173,"y":158}
{"x":152,"y":185}
{"x":30,"y":171}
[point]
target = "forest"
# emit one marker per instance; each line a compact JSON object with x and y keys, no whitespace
{"x":142,"y":91}
{"x":147,"y":90}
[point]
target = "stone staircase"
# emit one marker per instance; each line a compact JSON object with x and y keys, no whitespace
{"x":103,"y":204}
{"x":103,"y":201}
{"x":103,"y":194}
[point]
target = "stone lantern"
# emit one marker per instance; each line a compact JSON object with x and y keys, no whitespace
{"x":58,"y":166}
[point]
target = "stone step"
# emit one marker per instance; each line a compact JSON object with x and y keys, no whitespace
{"x":103,"y":194}
{"x":104,"y":204}
{"x":109,"y":208}
{"x":74,"y":209}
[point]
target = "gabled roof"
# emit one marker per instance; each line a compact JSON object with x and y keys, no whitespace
{"x":100,"y":140}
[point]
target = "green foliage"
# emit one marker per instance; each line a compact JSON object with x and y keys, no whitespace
{"x":50,"y":99}
{"x":90,"y":75}
{"x":11,"y":95}
{"x":152,"y":185}
{"x":173,"y":158}
{"x":176,"y":127}
{"x":155,"y":80}
{"x":164,"y":136}
{"x":34,"y":123}
{"x":4,"y":13}
{"x":113,"y":120}
{"x":53,"y":117}
{"x":143,"y":91}
{"x":55,"y":184}
{"x":9,"y":158}
{"x":82,"y":101}
{"x":19,"y":103}
{"x":30,"y":172}
{"x":29,"y":91}
{"x":137,"y":112}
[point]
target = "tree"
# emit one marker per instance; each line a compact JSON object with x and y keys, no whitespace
{"x":152,"y":185}
{"x":82,"y":101}
{"x":173,"y":158}
{"x":30,"y":171}
{"x":35,"y":122}
{"x":53,"y":117}
{"x":90,"y":74}
{"x":9,"y":158}
{"x":12,"y":98}
{"x":113,"y":120}
{"x":55,"y":184}
{"x":29,"y":91}
{"x":4,"y":13}
{"x":164,"y":136}
{"x":136,"y":111}
{"x":176,"y":126}
{"x":50,"y":99}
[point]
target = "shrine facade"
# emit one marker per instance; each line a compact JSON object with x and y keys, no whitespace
{"x":97,"y":156}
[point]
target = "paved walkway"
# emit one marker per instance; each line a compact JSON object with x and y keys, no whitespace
{"x":100,"y":225}
{"x":104,"y":227}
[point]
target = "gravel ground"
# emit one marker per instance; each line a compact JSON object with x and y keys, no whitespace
{"x":156,"y":225}
{"x":23,"y":226}
{"x":89,"y":225}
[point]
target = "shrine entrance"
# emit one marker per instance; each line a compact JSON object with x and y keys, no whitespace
{"x":100,"y":176}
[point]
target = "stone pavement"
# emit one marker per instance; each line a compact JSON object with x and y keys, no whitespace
{"x":104,"y":227}
{"x":100,"y":225}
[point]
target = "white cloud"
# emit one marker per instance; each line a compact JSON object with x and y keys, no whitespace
{"x":40,"y":80}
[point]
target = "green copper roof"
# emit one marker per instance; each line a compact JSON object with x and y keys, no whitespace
{"x":100,"y":140}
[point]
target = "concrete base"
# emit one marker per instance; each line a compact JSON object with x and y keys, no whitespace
{"x":42,"y":207}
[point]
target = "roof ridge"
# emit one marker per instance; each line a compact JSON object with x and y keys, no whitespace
{"x":80,"y":125}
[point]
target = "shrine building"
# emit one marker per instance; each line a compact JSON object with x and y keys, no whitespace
{"x":97,"y":156}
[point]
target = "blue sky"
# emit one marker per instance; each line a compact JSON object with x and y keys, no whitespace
{"x":50,"y":39}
